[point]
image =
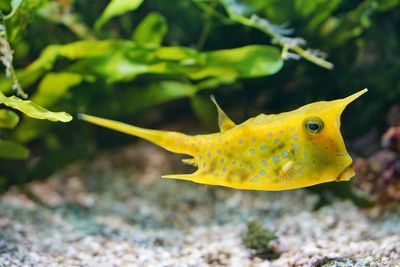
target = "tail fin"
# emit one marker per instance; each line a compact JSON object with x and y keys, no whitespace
{"x":171,"y":141}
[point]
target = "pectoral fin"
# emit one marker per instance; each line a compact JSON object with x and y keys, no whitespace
{"x":224,"y":122}
{"x":190,"y":162}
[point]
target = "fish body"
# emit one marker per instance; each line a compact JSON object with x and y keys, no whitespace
{"x":289,"y":150}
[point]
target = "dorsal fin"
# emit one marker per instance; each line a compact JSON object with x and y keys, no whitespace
{"x":224,"y":122}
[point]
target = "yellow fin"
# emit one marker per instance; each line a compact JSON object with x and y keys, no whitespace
{"x":178,"y":176}
{"x":287,"y":169}
{"x":189,"y":162}
{"x":194,"y":177}
{"x":224,"y":122}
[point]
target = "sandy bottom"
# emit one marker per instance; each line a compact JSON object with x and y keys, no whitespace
{"x":115,"y":211}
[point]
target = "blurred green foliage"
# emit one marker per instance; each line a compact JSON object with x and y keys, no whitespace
{"x":119,"y":58}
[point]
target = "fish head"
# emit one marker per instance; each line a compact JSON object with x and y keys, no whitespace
{"x":322,"y":149}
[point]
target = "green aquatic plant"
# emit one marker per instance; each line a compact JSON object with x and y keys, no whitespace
{"x":258,"y":238}
{"x":338,"y":262}
{"x":9,"y":119}
{"x":278,"y":33}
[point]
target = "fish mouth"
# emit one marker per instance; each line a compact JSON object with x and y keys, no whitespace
{"x":346,"y":174}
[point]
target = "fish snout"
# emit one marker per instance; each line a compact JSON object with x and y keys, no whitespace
{"x":346,"y":174}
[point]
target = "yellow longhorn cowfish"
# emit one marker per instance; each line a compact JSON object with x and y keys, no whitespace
{"x":289,"y":150}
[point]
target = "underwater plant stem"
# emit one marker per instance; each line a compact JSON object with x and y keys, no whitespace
{"x":310,"y":57}
{"x":7,"y":58}
{"x":8,"y":16}
{"x":211,"y":11}
{"x":264,"y":26}
{"x":16,"y":85}
{"x":205,"y":31}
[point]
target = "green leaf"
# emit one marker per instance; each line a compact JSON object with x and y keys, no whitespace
{"x":55,"y":12}
{"x":116,"y":8}
{"x":92,"y":48}
{"x":29,"y":130}
{"x":204,"y":110}
{"x":8,"y":119}
{"x":339,"y":30}
{"x":385,"y":5}
{"x":118,"y":67}
{"x":316,"y":11}
{"x":12,"y":150}
{"x":31,"y":109}
{"x":244,"y":62}
{"x":306,"y":8}
{"x":53,"y":86}
{"x":130,"y":101}
{"x":151,"y":29}
{"x":122,"y":61}
{"x":187,"y":56}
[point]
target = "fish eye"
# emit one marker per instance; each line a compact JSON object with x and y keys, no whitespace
{"x":313,"y":125}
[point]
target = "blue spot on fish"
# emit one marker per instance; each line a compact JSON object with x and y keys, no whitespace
{"x":262,"y":172}
{"x":264,"y":163}
{"x":285,"y":154}
{"x":263,"y":147}
{"x":275,"y":159}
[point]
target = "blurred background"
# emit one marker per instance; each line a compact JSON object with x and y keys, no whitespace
{"x":74,"y":194}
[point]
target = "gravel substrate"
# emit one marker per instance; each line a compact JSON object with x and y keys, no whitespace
{"x":115,"y":211}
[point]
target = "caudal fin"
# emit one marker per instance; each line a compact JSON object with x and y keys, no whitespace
{"x":171,"y":141}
